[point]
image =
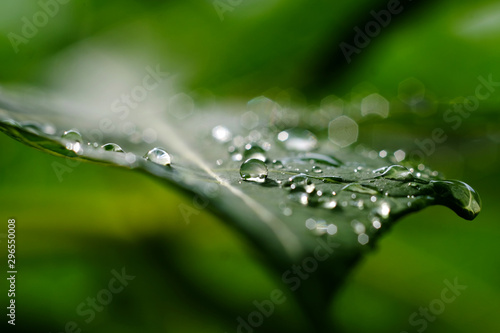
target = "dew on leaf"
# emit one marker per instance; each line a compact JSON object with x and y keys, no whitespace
{"x":112,"y":147}
{"x":459,"y":196}
{"x":395,"y":172}
{"x":253,"y":151}
{"x":358,"y":188}
{"x":158,"y":156}
{"x":254,"y":170}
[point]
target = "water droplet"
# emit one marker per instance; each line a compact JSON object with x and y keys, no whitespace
{"x":158,"y":156}
{"x":221,"y":134}
{"x":254,"y":170}
{"x":254,"y":152}
{"x":358,"y":188}
{"x":317,"y":169}
{"x":458,"y":196}
{"x":112,"y":147}
{"x":72,"y":135}
{"x":395,"y":172}
{"x":73,"y":141}
{"x":298,"y":139}
{"x":277,"y":164}
{"x":376,"y":224}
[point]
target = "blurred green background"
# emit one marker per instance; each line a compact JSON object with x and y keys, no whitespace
{"x":199,"y":277}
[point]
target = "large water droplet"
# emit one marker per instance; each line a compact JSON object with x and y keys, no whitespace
{"x":255,"y":152}
{"x":298,"y":139}
{"x":254,"y":170}
{"x":395,"y":172}
{"x":458,"y":196}
{"x":112,"y":147}
{"x":158,"y":156}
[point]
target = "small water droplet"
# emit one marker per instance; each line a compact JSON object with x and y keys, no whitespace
{"x":158,"y":156}
{"x":72,"y":135}
{"x":112,"y":147}
{"x":73,"y":140}
{"x":317,"y":169}
{"x":254,"y":170}
{"x":277,"y":164}
{"x":296,"y":139}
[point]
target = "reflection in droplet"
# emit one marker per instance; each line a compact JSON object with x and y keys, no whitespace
{"x":72,"y":135}
{"x":255,"y":152}
{"x":254,"y":170}
{"x":73,"y":140}
{"x":112,"y":147}
{"x":277,"y":164}
{"x":358,"y":188}
{"x":395,"y":172}
{"x":158,"y":156}
{"x":296,"y":139}
{"x":459,"y":196}
{"x":317,"y":169}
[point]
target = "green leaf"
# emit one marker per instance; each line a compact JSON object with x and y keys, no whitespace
{"x":312,"y":209}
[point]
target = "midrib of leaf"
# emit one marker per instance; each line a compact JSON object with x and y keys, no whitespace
{"x":287,"y":238}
